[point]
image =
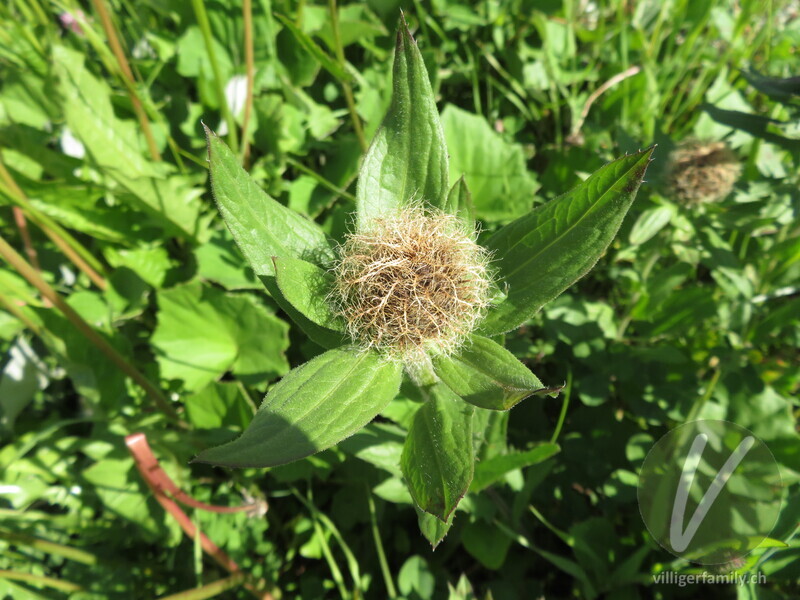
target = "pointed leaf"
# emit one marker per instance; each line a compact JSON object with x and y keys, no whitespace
{"x":408,"y":157}
{"x":315,"y":406}
{"x":261,"y":226}
{"x":438,"y":460}
{"x":459,"y":202}
{"x":544,"y":252}
{"x":487,"y":375}
{"x":432,"y":528}
{"x":491,"y":470}
{"x":305,"y":287}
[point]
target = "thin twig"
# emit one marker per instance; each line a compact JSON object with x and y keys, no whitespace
{"x":576,"y":127}
{"x":346,"y":88}
{"x":127,"y":76}
{"x":35,"y":279}
{"x":250,"y":71}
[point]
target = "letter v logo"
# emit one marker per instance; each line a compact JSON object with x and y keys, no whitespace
{"x":679,"y":538}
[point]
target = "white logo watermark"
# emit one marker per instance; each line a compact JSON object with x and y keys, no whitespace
{"x":709,"y":491}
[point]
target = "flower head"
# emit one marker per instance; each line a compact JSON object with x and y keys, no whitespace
{"x":702,"y":172}
{"x":411,"y":282}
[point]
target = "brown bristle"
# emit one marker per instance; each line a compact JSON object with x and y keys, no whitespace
{"x":411,"y":283}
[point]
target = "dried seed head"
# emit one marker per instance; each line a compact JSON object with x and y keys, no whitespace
{"x":702,"y":172}
{"x":411,"y":282}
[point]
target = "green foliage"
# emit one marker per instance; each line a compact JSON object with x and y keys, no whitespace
{"x":689,"y":312}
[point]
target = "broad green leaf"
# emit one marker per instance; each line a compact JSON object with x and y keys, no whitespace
{"x":203,"y":332}
{"x":493,"y":469}
{"x":502,"y":187}
{"x":306,"y":286}
{"x":438,"y":459}
{"x":261,"y":226}
{"x":314,"y":407}
{"x":485,"y":374}
{"x":459,"y":202}
{"x":541,"y":254}
{"x":432,"y":528}
{"x":117,"y":146}
{"x":408,"y":157}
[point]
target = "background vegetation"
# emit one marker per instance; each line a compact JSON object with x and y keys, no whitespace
{"x":125,"y":306}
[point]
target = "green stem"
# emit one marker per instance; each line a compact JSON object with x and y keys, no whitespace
{"x":391,"y":591}
{"x":250,"y":71}
{"x":49,"y":547}
{"x":205,"y":27}
{"x":330,"y":186}
{"x":564,"y":405}
{"x":51,"y":582}
{"x":346,"y":88}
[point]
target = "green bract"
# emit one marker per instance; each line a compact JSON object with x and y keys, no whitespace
{"x":535,"y":258}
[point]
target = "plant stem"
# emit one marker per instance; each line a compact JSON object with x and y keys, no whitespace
{"x":320,"y":179}
{"x":205,"y":27}
{"x":49,"y":547}
{"x":127,"y":76}
{"x":564,"y":404}
{"x":250,"y":71}
{"x":346,"y":88}
{"x":391,"y":591}
{"x":210,"y":590}
{"x":51,"y":582}
{"x":35,"y":279}
{"x":71,"y":248}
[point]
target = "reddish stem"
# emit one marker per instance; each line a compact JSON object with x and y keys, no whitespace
{"x":160,"y":484}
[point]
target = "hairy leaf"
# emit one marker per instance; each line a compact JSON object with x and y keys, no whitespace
{"x":438,"y":459}
{"x":487,"y":375}
{"x":544,"y":252}
{"x":315,"y":406}
{"x":261,"y":226}
{"x":305,"y":286}
{"x":408,"y":157}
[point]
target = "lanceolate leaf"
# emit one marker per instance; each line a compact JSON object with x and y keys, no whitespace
{"x":306,"y":286}
{"x":438,"y":459}
{"x":544,"y":252}
{"x":489,"y":471}
{"x":487,"y":375}
{"x":408,"y":157}
{"x":315,"y":406}
{"x":261,"y":226}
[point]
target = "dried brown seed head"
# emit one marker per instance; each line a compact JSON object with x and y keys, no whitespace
{"x":410,"y":283}
{"x":702,"y":172}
